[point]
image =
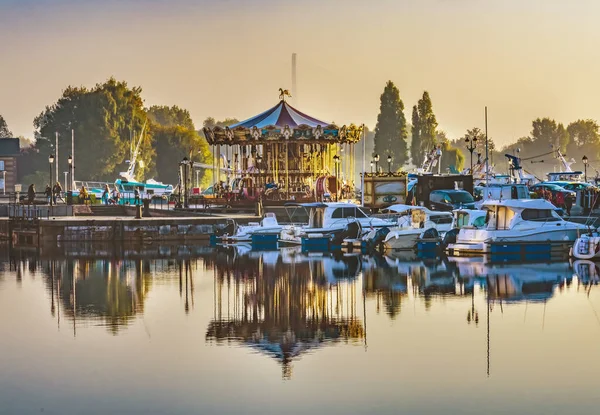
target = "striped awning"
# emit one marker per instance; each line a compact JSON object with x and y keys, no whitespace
{"x":281,"y":115}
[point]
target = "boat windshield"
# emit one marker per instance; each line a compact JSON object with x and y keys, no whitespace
{"x":461,"y":197}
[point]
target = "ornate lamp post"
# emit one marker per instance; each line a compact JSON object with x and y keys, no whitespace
{"x":371,"y":166}
{"x":336,"y":160}
{"x":184,"y":162}
{"x":471,"y":145}
{"x":376,"y":158}
{"x":389,"y":160}
{"x":51,"y":162}
{"x":70,"y":180}
{"x":585,"y":164}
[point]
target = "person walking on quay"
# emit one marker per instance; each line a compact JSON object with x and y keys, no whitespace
{"x":31,"y":193}
{"x":115,"y":196}
{"x":105,"y":194}
{"x":48,"y":193}
{"x":136,"y":200}
{"x":83,"y":195}
{"x":57,"y":193}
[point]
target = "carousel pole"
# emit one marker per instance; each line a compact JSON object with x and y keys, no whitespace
{"x":362,"y":175}
{"x":287,"y":171}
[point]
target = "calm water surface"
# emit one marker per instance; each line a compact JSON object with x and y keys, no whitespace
{"x":237,"y":331}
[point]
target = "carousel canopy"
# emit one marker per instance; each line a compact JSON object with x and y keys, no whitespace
{"x":281,"y":115}
{"x":282,"y":123}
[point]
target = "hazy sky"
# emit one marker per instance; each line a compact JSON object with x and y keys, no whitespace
{"x":522,"y":58}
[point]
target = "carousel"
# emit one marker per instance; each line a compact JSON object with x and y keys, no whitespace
{"x":283,"y":154}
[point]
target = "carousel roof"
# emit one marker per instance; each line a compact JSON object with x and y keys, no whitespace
{"x":281,"y":115}
{"x":282,"y":123}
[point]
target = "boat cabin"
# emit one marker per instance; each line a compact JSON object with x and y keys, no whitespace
{"x":505,"y":215}
{"x":469,"y":218}
{"x":502,"y":192}
{"x":565,"y":176}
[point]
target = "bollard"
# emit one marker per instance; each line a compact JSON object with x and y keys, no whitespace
{"x":138,"y":211}
{"x":146,"y":204}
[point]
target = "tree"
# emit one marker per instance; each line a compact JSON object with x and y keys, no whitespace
{"x":107,"y":120}
{"x":584,"y":132}
{"x":453,"y":159}
{"x":424,"y":129}
{"x":170,"y":116}
{"x":210,"y":122}
{"x":4,"y":131}
{"x":390,"y":131}
{"x":416,"y":156}
{"x":175,"y":137}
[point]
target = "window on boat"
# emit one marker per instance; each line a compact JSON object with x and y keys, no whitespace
{"x":317,"y":218}
{"x":522,"y":192}
{"x":479,"y":222}
{"x":348,"y":212}
{"x":440,"y":219}
{"x":538,"y":214}
{"x":462,"y":220}
{"x":504,"y":217}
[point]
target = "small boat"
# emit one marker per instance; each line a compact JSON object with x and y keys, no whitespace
{"x":268,"y":226}
{"x":412,"y":224}
{"x":587,"y":246}
{"x":519,"y":223}
{"x":328,"y":219}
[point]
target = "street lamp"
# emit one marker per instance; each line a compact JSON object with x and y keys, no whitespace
{"x":184,"y":162}
{"x":371,"y":166}
{"x":389,"y":160}
{"x":471,"y":145}
{"x":50,"y":162}
{"x":336,"y":160}
{"x":70,"y":182}
{"x":376,"y":158}
{"x":585,"y":163}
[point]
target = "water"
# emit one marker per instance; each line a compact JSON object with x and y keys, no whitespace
{"x":93,"y":331}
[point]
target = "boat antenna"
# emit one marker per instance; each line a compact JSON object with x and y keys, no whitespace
{"x":487,"y":156}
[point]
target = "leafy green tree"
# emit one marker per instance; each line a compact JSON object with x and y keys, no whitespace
{"x":4,"y":131}
{"x":390,"y":131}
{"x":416,"y":156}
{"x":210,"y":122}
{"x":166,"y":116}
{"x":453,"y":159}
{"x":107,"y":119}
{"x":424,"y":129}
{"x":175,"y":137}
{"x":583,"y":132}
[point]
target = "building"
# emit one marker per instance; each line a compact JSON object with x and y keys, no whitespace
{"x":9,"y":152}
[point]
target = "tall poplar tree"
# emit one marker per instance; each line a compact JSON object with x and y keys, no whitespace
{"x":390,"y":132}
{"x":424,"y":130}
{"x":4,"y":131}
{"x":415,"y":142}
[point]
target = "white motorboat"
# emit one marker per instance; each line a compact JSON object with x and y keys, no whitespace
{"x":412,"y":222}
{"x":330,"y":219}
{"x":516,"y":221}
{"x":267,"y":226}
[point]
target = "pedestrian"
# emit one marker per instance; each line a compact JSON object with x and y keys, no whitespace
{"x":31,"y":193}
{"x":115,"y":196}
{"x":48,"y":194}
{"x":83,"y":195}
{"x":56,"y":192}
{"x":568,"y":204}
{"x":137,"y":196}
{"x":105,"y":193}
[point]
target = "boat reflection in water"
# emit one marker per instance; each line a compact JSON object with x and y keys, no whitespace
{"x":515,"y":282}
{"x":285,"y":304}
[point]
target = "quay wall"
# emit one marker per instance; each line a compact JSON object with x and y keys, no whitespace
{"x":173,"y":229}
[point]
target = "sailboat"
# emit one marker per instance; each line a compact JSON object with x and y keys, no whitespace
{"x":127,"y":184}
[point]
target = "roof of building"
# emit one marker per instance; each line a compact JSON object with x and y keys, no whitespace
{"x":9,"y":147}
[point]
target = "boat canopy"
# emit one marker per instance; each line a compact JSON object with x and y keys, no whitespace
{"x":521,"y":204}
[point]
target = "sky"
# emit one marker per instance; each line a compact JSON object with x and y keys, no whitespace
{"x":522,"y":59}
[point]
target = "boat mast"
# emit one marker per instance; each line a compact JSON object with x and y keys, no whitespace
{"x":487,"y":165}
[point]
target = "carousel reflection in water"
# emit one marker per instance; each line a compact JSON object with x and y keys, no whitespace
{"x":285,"y":304}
